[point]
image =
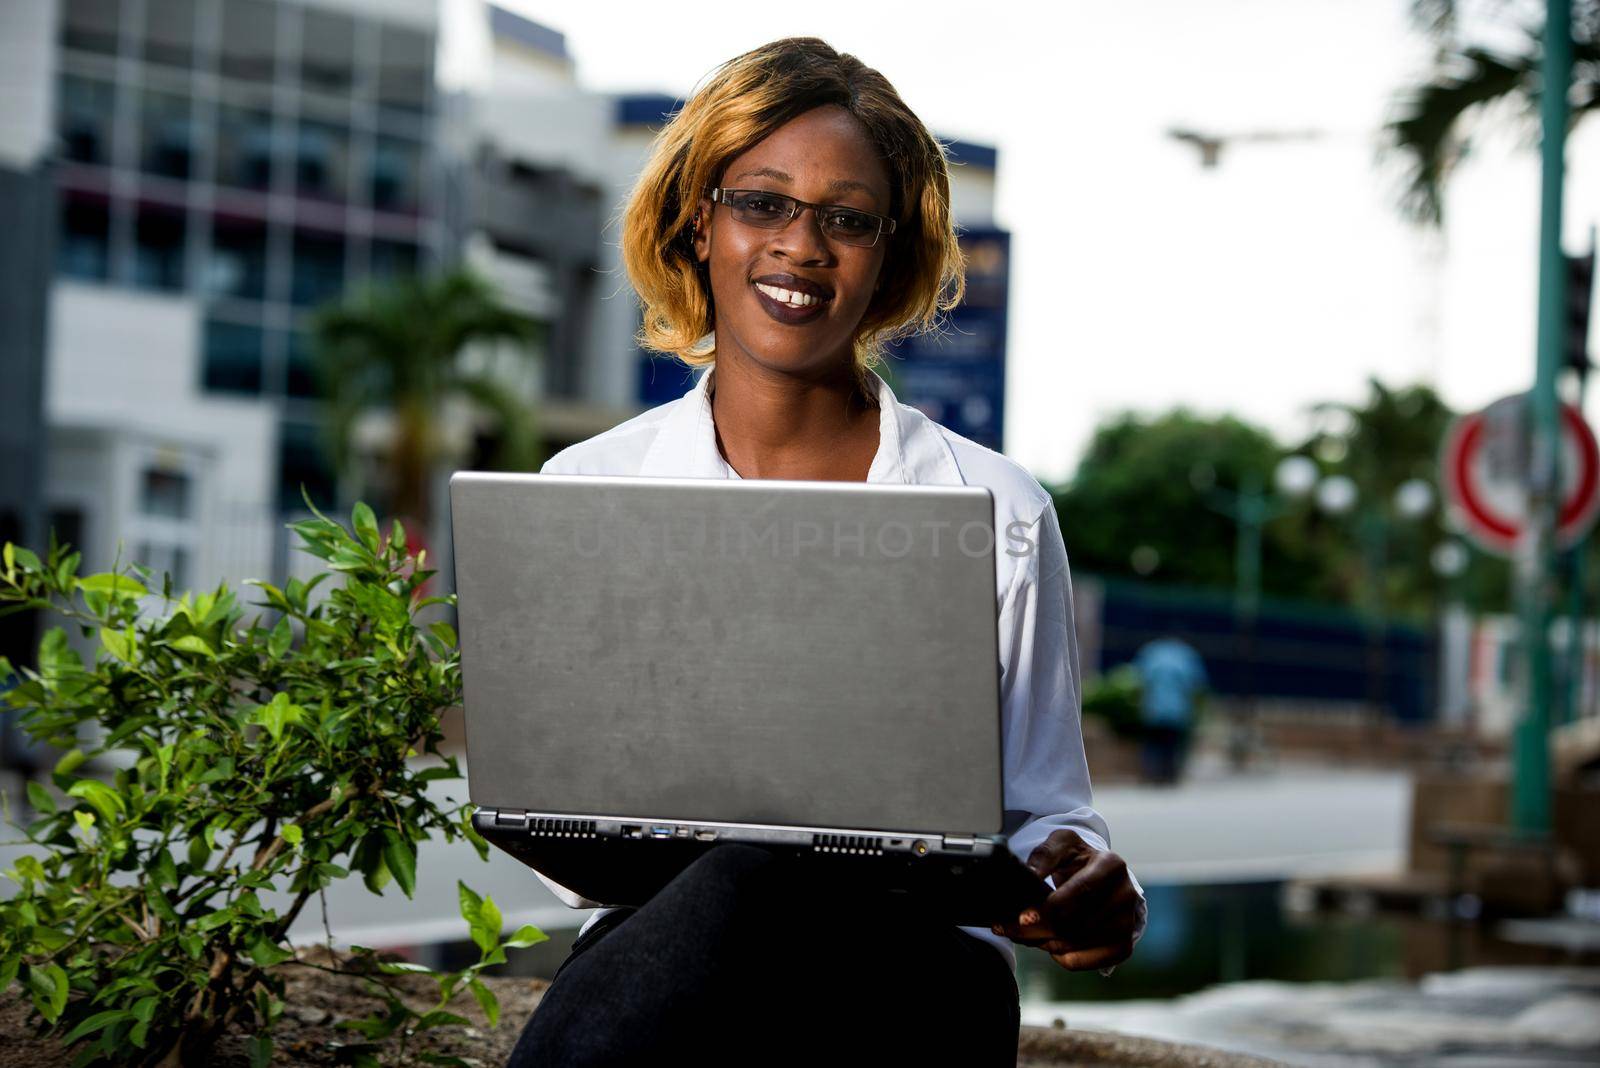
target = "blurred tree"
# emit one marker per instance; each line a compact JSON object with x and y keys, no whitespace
{"x":398,"y":348}
{"x":1427,"y":128}
{"x":1391,"y":438}
{"x":1136,"y":505}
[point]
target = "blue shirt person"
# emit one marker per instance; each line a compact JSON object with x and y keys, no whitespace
{"x":1172,"y":676}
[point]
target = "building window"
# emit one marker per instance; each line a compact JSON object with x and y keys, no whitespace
{"x":233,"y":356}
{"x":328,"y":53}
{"x":164,"y":494}
{"x":301,"y":366}
{"x":396,"y":178}
{"x":249,"y":40}
{"x":394,"y":259}
{"x":169,"y":32}
{"x":83,"y":246}
{"x":318,"y":267}
{"x":85,"y":120}
{"x":244,"y":147}
{"x":238,"y":263}
{"x":158,"y":247}
{"x":303,"y":461}
{"x":405,"y":71}
{"x":322,"y":161}
{"x":166,"y":135}
{"x":90,"y":26}
{"x":165,"y":560}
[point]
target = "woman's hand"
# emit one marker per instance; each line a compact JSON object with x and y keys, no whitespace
{"x":1089,"y":919}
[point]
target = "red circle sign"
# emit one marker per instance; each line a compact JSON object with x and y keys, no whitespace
{"x":1485,"y":475}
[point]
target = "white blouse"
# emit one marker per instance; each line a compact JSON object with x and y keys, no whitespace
{"x":1045,"y":774}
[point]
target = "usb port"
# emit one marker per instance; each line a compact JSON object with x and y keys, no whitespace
{"x":632,"y":830}
{"x":706,"y":835}
{"x":661,"y":832}
{"x":682,"y":832}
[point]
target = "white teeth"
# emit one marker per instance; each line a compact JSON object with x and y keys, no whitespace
{"x":788,"y":296}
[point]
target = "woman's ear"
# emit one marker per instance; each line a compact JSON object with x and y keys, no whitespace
{"x":701,"y":228}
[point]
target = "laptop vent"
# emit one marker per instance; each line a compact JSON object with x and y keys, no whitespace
{"x":855,"y":844}
{"x":545,"y":827}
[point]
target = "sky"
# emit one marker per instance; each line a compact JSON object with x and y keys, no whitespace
{"x":1140,"y":280}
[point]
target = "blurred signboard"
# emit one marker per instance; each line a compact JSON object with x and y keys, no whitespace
{"x":957,"y":376}
{"x":1485,"y":475}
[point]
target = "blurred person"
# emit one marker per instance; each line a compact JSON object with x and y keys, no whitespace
{"x":1172,"y":676}
{"x":793,"y":216}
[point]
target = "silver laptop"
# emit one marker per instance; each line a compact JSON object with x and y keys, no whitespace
{"x":653,"y":666}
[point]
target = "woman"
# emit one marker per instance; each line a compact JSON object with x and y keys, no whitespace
{"x":791,"y":218}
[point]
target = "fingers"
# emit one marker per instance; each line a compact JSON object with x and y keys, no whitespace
{"x":1056,"y":851}
{"x":1098,"y":891}
{"x":1083,"y":960}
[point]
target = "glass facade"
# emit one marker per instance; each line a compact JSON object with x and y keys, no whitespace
{"x":287,"y":145}
{"x":256,"y":153}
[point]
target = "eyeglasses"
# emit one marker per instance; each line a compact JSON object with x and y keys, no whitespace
{"x":773,"y":211}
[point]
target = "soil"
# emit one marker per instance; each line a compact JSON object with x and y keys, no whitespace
{"x":315,"y":1000}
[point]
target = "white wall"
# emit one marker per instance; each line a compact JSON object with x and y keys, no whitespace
{"x":125,"y":365}
{"x":27,"y":80}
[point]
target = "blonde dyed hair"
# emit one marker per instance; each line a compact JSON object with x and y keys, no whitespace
{"x":742,"y":102}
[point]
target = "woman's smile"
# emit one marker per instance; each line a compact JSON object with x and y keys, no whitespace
{"x":791,"y":300}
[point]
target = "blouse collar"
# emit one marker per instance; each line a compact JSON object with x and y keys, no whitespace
{"x":911,"y":447}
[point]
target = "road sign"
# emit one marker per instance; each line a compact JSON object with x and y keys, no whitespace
{"x":1485,"y":475}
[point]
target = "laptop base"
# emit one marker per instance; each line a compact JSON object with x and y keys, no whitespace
{"x":971,"y":882}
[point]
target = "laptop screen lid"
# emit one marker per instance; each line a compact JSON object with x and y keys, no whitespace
{"x":782,"y":653}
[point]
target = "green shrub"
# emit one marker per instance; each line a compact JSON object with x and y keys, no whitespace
{"x":1115,"y":698}
{"x":250,"y":757}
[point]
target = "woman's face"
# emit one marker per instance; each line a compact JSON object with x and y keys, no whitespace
{"x":823,"y":157}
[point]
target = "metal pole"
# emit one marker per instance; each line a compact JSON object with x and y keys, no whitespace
{"x":1530,"y":795}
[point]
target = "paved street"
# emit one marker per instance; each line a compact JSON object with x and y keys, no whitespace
{"x":1265,"y":825}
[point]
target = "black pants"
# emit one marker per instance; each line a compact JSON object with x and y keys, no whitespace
{"x":741,"y":960}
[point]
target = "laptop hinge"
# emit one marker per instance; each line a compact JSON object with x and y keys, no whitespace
{"x":959,"y":841}
{"x":511,"y":817}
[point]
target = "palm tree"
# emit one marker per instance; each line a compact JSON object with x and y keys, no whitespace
{"x":1426,"y":131}
{"x":397,"y":348}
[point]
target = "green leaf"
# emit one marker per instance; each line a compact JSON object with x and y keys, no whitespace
{"x":164,"y":872}
{"x":444,"y":632}
{"x":49,"y":987}
{"x":145,"y":1008}
{"x":198,"y":852}
{"x":471,"y":903}
{"x":292,"y":834}
{"x":282,"y":637}
{"x":95,"y":1023}
{"x":84,"y":820}
{"x":486,"y":1001}
{"x":267,"y":953}
{"x":527,"y":935}
{"x":212,"y":920}
{"x":112,"y":584}
{"x":366,"y":525}
{"x":486,"y":932}
{"x":403,"y":967}
{"x":26,"y":557}
{"x":400,"y":857}
{"x":40,"y":798}
{"x":116,"y":643}
{"x":70,"y":761}
{"x":193,"y":643}
{"x":259,"y":1047}
{"x":101,"y":797}
{"x":159,"y":904}
{"x":28,"y":867}
{"x":441,"y":1018}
